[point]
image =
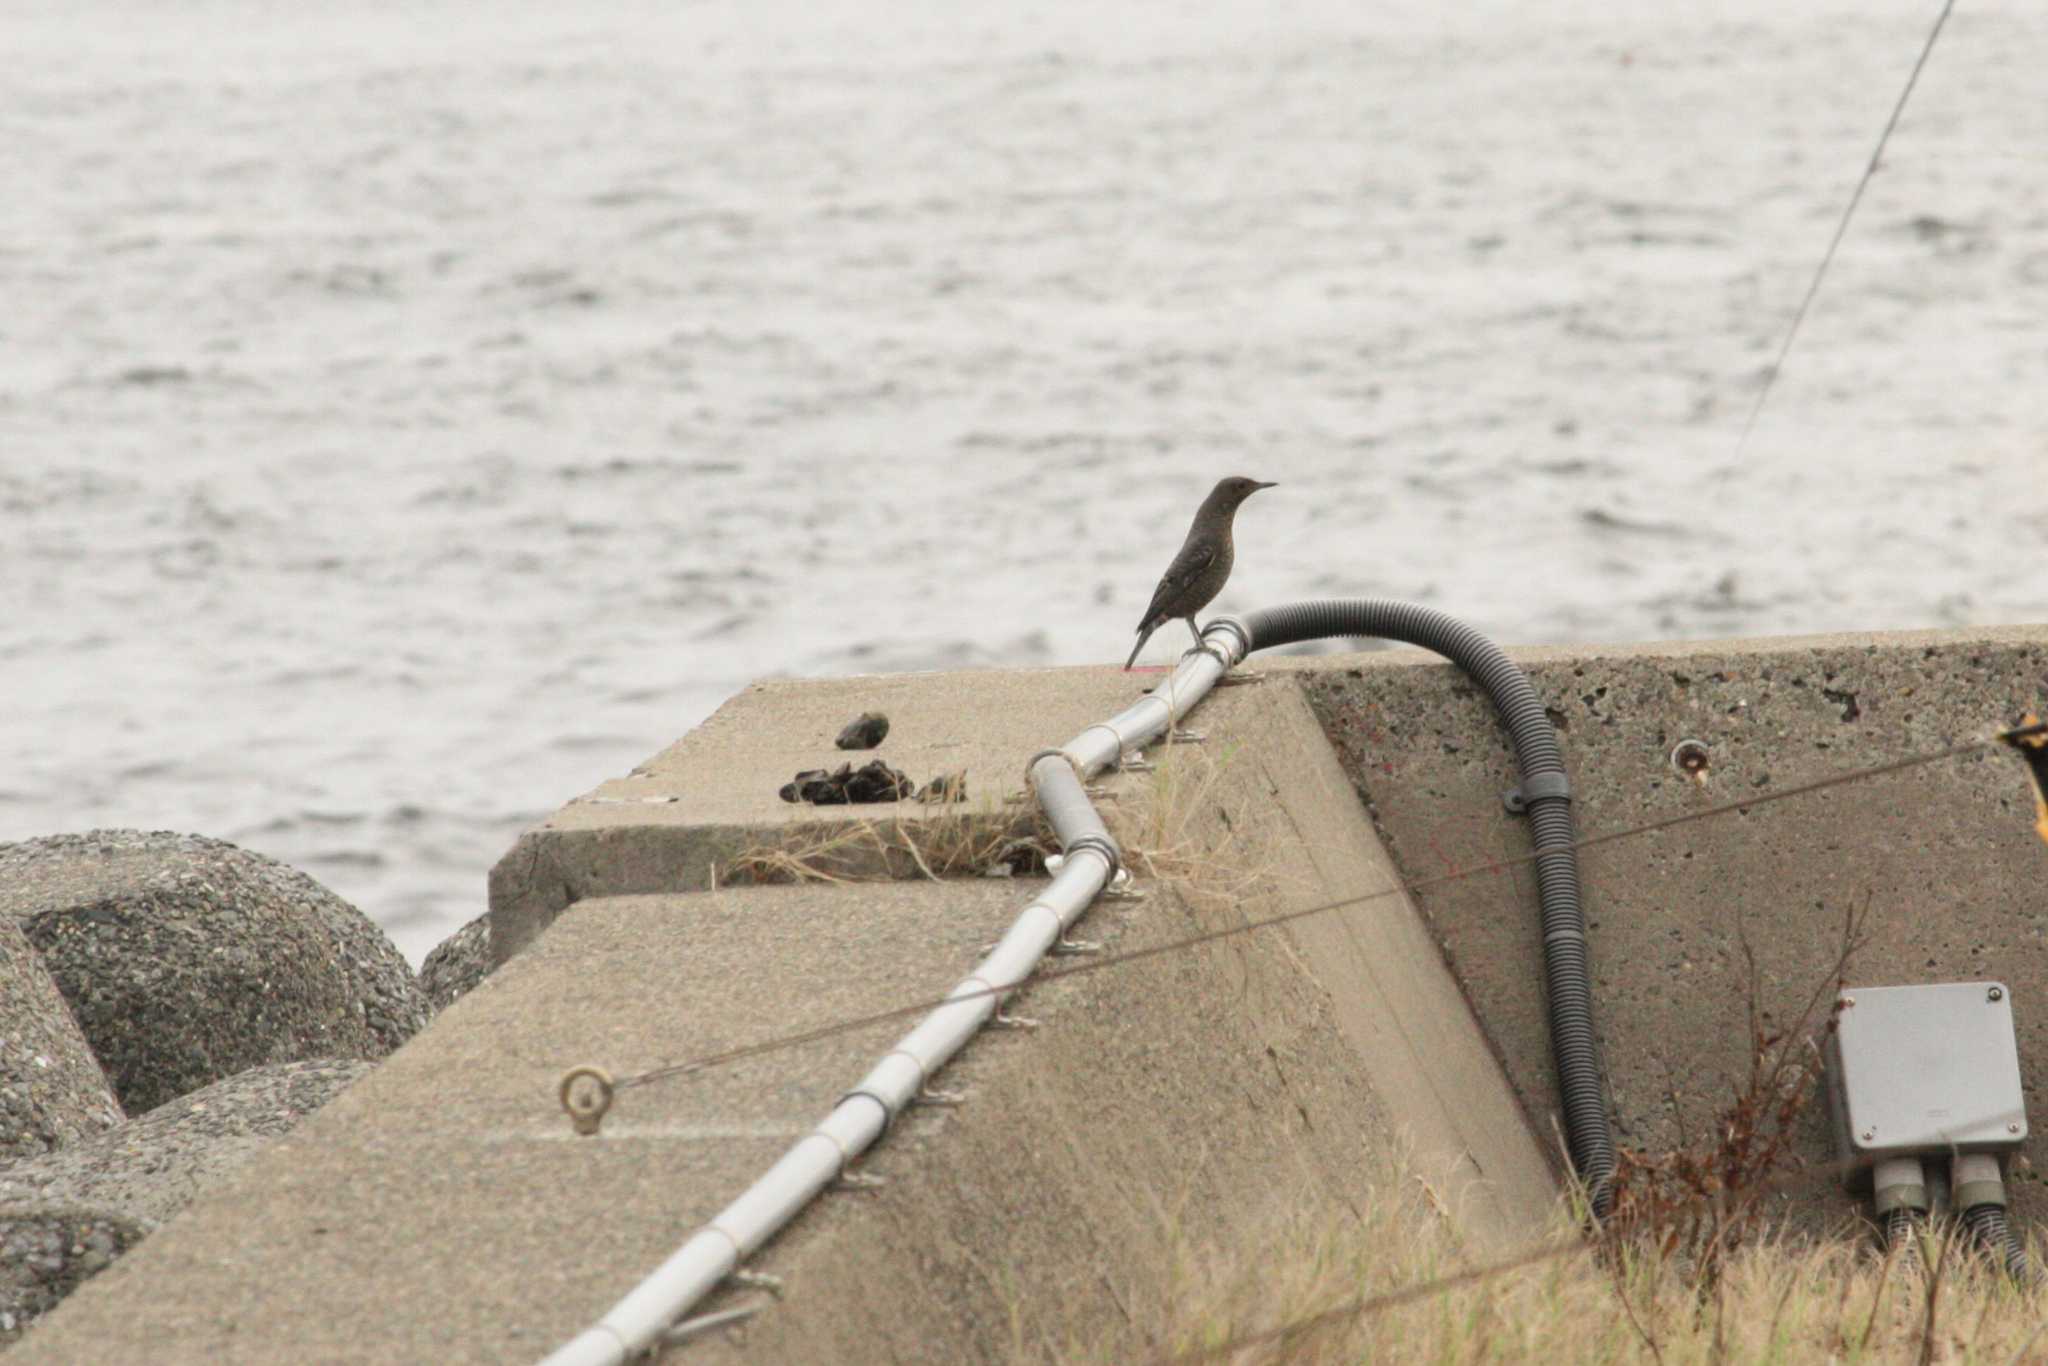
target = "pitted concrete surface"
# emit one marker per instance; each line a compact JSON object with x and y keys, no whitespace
{"x":52,"y":1088}
{"x":187,"y":959}
{"x":1944,"y":855}
{"x":150,"y":1167}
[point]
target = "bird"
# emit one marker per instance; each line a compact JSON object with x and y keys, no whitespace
{"x":1198,"y":572}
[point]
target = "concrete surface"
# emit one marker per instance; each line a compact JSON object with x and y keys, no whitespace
{"x":1167,"y":1109}
{"x":713,"y":793}
{"x":47,"y":1251}
{"x":151,"y":1167}
{"x":187,"y":959}
{"x":1944,"y":855}
{"x":65,"y":1216}
{"x":457,"y":964}
{"x":52,"y":1089}
{"x":1170,"y":1108}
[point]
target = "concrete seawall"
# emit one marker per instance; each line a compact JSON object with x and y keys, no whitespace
{"x":441,"y":1210}
{"x":1944,"y":855}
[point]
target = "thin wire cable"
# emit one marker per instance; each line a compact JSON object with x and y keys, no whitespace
{"x":1841,"y":229}
{"x":1097,"y":964}
{"x":1365,"y":1306}
{"x":1369,"y":1305}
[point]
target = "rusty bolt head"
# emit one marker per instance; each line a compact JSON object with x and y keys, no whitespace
{"x":1690,"y":758}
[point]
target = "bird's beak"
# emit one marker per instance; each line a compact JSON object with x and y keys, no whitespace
{"x":1273,"y":484}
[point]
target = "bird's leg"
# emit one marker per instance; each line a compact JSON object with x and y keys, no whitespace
{"x":1203,"y":647}
{"x":1235,"y":676}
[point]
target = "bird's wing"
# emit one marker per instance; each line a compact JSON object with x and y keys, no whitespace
{"x":1185,"y":569}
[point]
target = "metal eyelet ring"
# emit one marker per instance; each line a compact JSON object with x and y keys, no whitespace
{"x":587,"y":1107}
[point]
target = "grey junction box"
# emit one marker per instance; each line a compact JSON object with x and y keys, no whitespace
{"x":1930,"y":1070}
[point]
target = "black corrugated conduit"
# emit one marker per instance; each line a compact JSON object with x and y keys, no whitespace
{"x":1979,"y":1180}
{"x":1546,"y":797}
{"x":1987,"y":1223}
{"x":1899,"y":1230}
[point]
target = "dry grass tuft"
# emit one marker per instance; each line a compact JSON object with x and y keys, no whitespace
{"x":1701,"y":1202}
{"x":1184,"y":826}
{"x":1295,"y":1299}
{"x":988,"y":842}
{"x":1687,"y":1270}
{"x":1176,"y":825}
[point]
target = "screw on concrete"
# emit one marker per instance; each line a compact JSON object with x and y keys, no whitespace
{"x":704,"y":1323}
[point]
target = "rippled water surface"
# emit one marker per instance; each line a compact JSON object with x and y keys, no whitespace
{"x":413,"y":416}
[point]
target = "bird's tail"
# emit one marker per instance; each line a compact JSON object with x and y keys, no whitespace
{"x":1144,"y":634}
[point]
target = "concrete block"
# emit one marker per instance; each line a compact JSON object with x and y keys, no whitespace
{"x":186,"y":959}
{"x":713,"y":793}
{"x":52,"y":1089}
{"x":1945,"y":855}
{"x":1176,"y":1103}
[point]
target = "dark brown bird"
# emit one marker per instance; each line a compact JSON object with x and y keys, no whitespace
{"x":1198,"y":573}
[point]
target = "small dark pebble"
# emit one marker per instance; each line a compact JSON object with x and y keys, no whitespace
{"x":875,"y":782}
{"x":865,"y":731}
{"x":947,"y":787}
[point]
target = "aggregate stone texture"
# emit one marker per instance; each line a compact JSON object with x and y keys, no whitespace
{"x":150,"y":1167}
{"x":46,"y":1253}
{"x":186,"y":959}
{"x":457,"y":963}
{"x":52,"y":1090}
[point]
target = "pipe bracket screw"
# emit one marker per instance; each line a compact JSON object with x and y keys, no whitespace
{"x":1995,"y":994}
{"x":586,"y":1105}
{"x":2012,"y":1126}
{"x":758,"y":1280}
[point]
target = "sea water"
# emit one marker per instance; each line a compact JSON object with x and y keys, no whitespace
{"x":412,"y":415}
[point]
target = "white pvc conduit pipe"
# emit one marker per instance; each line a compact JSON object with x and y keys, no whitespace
{"x":714,"y":1252}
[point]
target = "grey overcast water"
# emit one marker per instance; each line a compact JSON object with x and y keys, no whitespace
{"x":413,"y":414}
